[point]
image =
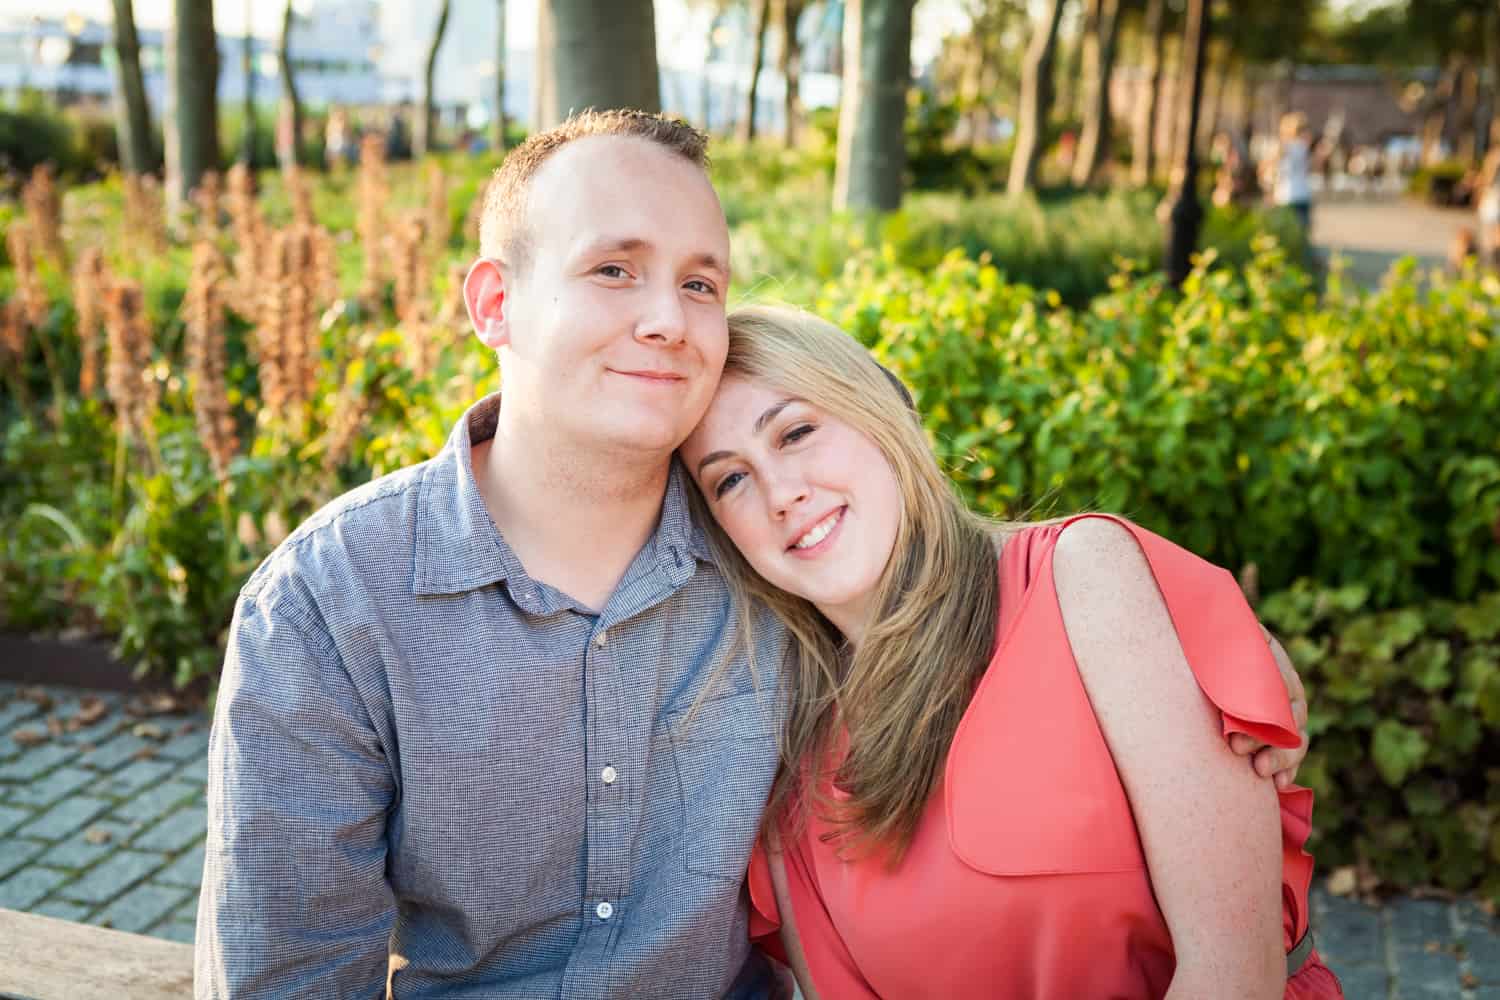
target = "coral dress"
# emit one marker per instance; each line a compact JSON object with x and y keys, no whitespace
{"x":1026,"y":877}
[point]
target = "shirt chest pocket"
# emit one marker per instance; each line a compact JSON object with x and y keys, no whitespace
{"x":725,"y":752}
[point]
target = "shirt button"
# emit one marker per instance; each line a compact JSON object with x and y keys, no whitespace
{"x":601,"y":639}
{"x":608,"y":775}
{"x":604,"y":910}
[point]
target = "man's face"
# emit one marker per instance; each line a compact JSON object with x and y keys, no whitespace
{"x":613,"y":331}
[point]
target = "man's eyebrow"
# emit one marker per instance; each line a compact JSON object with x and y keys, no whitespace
{"x":713,"y":262}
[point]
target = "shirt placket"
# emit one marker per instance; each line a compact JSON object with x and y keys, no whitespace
{"x":606,"y":851}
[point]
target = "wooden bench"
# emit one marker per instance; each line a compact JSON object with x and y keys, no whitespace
{"x":46,"y":959}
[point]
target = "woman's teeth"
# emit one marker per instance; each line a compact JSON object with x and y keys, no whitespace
{"x":819,"y":531}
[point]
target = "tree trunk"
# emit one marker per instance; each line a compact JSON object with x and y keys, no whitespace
{"x":1490,"y":131}
{"x":584,"y":67}
{"x":791,"y":67}
{"x":1099,"y":66}
{"x":1143,"y":129}
{"x":500,"y":140}
{"x":1036,"y":100}
{"x":132,"y":114}
{"x":872,"y":115}
{"x":192,"y":119}
{"x":757,"y":63}
{"x":247,"y":69}
{"x":1215,"y":80}
{"x":1186,"y":216}
{"x":426,"y":123}
{"x":1467,"y":126}
{"x":289,"y":114}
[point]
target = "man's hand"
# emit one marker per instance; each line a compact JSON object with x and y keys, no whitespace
{"x":1268,"y":760}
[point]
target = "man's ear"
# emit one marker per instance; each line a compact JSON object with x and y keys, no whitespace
{"x":484,"y":295}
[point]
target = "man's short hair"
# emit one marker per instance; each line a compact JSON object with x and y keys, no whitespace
{"x":503,"y":226}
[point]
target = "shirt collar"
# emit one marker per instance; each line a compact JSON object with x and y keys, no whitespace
{"x":458,"y":547}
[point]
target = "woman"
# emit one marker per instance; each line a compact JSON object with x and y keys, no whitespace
{"x":1000,"y":779}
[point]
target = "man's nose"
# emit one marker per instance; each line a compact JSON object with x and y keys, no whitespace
{"x":663,"y":322}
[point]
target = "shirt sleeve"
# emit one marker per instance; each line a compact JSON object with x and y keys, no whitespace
{"x":295,"y":900}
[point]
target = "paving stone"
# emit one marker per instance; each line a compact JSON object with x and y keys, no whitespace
{"x":1348,"y":931}
{"x":12,"y":817}
{"x":59,"y":784}
{"x":62,"y":910}
{"x":76,"y":852}
{"x":175,"y":931}
{"x":158,"y":801}
{"x":29,"y":886}
{"x":112,"y":876}
{"x":17,"y":713}
{"x":186,"y":870}
{"x":18,"y":851}
{"x":187,"y":913}
{"x":182,"y":829}
{"x":117,"y":751}
{"x":1414,"y":922}
{"x":191,"y":746}
{"x":1362,"y":982}
{"x":36,"y":761}
{"x":135,"y":776}
{"x":139,"y":908}
{"x":65,"y":817}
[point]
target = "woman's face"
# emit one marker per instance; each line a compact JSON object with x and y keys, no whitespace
{"x":811,"y":502}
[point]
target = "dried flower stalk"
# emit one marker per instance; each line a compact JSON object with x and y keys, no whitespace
{"x":129,"y":380}
{"x":288,"y":350}
{"x":44,"y":213}
{"x":204,"y":307}
{"x":206,"y":202}
{"x":19,"y":243}
{"x":89,"y":286}
{"x":145,"y":213}
{"x":371,"y":192}
{"x":250,"y":233}
{"x":300,"y":195}
{"x":439,"y":226}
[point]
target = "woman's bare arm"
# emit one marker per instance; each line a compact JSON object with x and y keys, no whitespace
{"x":1209,"y":826}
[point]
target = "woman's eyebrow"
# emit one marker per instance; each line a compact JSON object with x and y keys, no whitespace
{"x":770,"y":414}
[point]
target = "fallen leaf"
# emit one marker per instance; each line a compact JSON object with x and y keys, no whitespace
{"x":186,"y":727}
{"x":1343,"y":881}
{"x":1432,"y":947}
{"x":149,"y":731}
{"x":54,"y":726}
{"x":90,"y":710}
{"x":144,"y":753}
{"x":86,"y":748}
{"x":29,"y":737}
{"x":98,"y":835}
{"x":37,"y":696}
{"x":1468,"y":981}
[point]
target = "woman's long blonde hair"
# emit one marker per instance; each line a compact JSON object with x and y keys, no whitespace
{"x":899,"y":696}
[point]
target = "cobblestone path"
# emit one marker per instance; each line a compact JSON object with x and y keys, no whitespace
{"x":102,"y":821}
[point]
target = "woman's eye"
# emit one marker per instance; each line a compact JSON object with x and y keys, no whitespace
{"x":727,"y":483}
{"x":613,"y":271}
{"x":797,"y":433}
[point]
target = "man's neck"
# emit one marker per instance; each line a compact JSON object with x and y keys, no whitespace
{"x":575,"y":518}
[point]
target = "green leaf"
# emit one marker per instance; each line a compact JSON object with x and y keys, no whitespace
{"x":1426,"y":664}
{"x":1397,"y":749}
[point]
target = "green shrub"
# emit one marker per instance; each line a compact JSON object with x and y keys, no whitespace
{"x":1405,"y":729}
{"x":1354,"y":442}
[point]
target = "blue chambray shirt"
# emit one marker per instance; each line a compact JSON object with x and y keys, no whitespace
{"x":424,"y":760}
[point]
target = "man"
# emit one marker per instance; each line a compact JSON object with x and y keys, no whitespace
{"x":487,"y":726}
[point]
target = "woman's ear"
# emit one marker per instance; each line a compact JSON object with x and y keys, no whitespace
{"x":484,"y":295}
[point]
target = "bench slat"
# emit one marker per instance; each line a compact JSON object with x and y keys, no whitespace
{"x":46,"y":959}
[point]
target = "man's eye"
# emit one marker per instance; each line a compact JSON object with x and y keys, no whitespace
{"x":727,"y":483}
{"x":701,"y":286}
{"x":797,"y":433}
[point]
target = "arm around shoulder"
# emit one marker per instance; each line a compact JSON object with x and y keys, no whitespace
{"x":1210,"y":828}
{"x":295,"y":899}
